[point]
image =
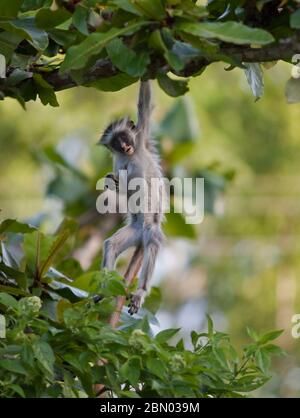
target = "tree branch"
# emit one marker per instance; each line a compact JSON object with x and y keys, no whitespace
{"x":283,"y":50}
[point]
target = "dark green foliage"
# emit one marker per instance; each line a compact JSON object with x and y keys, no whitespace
{"x":56,"y":333}
{"x":140,"y":38}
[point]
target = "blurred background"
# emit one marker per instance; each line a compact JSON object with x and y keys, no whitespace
{"x":241,"y":264}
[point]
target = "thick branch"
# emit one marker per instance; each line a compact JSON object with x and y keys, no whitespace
{"x":283,"y":50}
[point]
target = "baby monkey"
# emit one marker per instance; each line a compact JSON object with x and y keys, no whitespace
{"x":134,"y":151}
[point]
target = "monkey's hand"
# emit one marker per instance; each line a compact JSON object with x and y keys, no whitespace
{"x":111,"y":182}
{"x":137,"y":299}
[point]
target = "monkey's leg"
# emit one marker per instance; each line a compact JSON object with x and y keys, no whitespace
{"x":124,"y":238}
{"x":152,"y":239}
{"x":131,"y":273}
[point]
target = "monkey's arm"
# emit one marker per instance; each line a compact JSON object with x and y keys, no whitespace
{"x":111,"y":182}
{"x":144,"y":109}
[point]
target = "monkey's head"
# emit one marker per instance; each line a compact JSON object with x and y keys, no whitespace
{"x":120,"y":137}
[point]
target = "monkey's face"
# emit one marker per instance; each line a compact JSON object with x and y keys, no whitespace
{"x":123,"y":142}
{"x":120,"y":136}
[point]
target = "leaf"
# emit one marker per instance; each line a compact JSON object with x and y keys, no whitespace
{"x":165,"y":335}
{"x":262,"y":360}
{"x":16,"y":227}
{"x":64,"y":38}
{"x":295,"y":19}
{"x":27,"y":29}
{"x":17,"y":76}
{"x":17,"y":389}
{"x":232,"y":32}
{"x":292,"y":90}
{"x":252,"y":334}
{"x":156,"y":367}
{"x":8,"y":43}
{"x":210,"y":326}
{"x":172,"y":87}
{"x":80,"y":18}
{"x":14,"y":274}
{"x":126,"y":60}
{"x":116,"y":287}
{"x":45,"y":91}
{"x":78,"y":55}
{"x":254,"y":76}
{"x":13,"y":366}
{"x":114,"y":83}
{"x":150,"y":8}
{"x":62,"y":305}
{"x":46,"y":18}
{"x":10,"y":8}
{"x":153,"y":300}
{"x":8,"y":301}
{"x":55,"y":248}
{"x":131,"y":370}
{"x":270,"y":336}
{"x":13,"y":290}
{"x":44,"y":355}
{"x":89,"y":281}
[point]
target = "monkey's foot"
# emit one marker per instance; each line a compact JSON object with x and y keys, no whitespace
{"x":136,"y":301}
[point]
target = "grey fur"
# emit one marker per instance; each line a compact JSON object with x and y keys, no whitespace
{"x":143,"y":230}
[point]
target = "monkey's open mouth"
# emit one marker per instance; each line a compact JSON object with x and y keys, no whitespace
{"x":128,"y":149}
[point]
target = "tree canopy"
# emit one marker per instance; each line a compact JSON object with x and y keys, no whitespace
{"x":51,"y":45}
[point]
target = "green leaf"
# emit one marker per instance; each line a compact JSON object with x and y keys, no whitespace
{"x":295,"y":19}
{"x":78,"y":55}
{"x":252,"y":334}
{"x":13,"y":290}
{"x":254,"y":76}
{"x":80,"y":19}
{"x":292,"y":90}
{"x":8,"y":301}
{"x":10,"y":8}
{"x":210,"y":326}
{"x":127,"y":6}
{"x":54,"y":249}
{"x":17,"y":389}
{"x":262,"y":360}
{"x":89,"y":281}
{"x":26,"y":28}
{"x":172,"y":87}
{"x":8,"y":43}
{"x":232,"y":32}
{"x":14,"y":274}
{"x":114,"y":83}
{"x":44,"y":355}
{"x":166,"y":335}
{"x":12,"y":225}
{"x":126,"y":60}
{"x":270,"y":336}
{"x":13,"y":366}
{"x":47,"y":18}
{"x":131,"y":370}
{"x":156,"y":367}
{"x":116,"y":287}
{"x":17,"y":76}
{"x":64,"y":38}
{"x":45,"y":91}
{"x":153,"y":300}
{"x":150,"y":8}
